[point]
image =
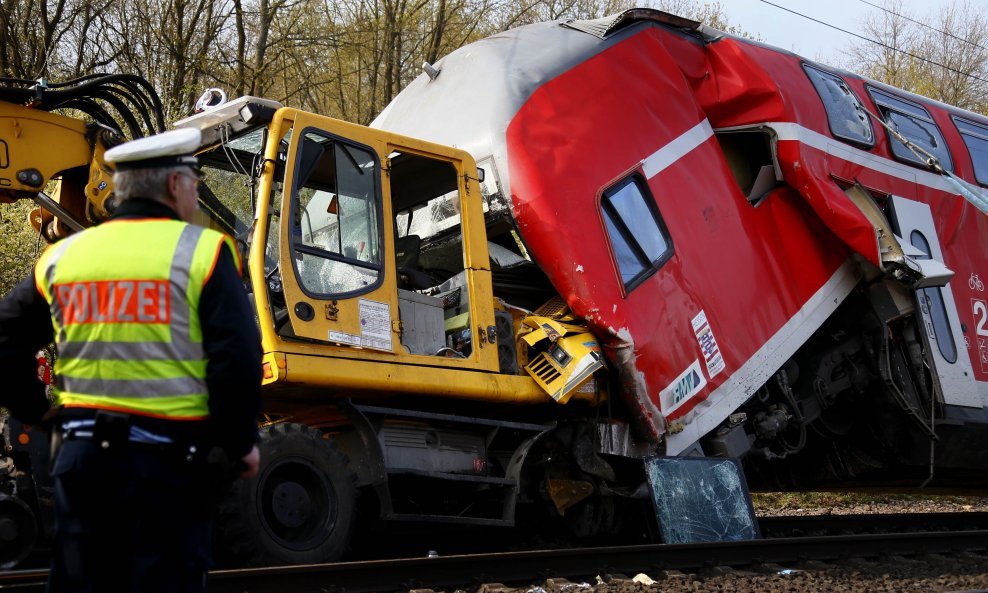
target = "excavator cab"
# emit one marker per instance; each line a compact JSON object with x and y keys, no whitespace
{"x":363,"y":247}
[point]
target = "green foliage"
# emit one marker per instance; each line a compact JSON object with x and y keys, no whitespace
{"x":19,"y":244}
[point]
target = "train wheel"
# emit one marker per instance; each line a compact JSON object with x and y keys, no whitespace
{"x":298,"y":510}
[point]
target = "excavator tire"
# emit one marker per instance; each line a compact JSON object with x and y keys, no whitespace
{"x":299,"y":509}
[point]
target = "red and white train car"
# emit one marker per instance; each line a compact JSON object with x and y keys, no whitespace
{"x":773,"y":273}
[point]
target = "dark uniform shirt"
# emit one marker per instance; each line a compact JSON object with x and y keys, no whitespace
{"x":232,"y":347}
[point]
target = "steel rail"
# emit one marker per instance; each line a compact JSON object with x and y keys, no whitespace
{"x":453,"y":571}
{"x":532,"y":566}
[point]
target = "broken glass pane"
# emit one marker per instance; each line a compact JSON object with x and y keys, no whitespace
{"x":845,"y":113}
{"x":913,"y":122}
{"x":700,"y":499}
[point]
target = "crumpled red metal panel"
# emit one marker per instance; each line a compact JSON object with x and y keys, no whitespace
{"x":806,"y":169}
{"x":749,"y":85}
{"x":738,"y":91}
{"x":748,"y":269}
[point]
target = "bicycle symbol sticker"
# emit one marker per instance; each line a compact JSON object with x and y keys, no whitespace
{"x":975,"y":283}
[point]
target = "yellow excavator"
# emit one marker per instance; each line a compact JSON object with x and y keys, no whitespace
{"x":418,"y":366}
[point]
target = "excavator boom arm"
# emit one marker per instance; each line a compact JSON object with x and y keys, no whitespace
{"x":44,"y":151}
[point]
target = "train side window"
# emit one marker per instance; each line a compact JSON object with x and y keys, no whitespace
{"x":936,"y":306}
{"x":975,"y":137}
{"x":847,"y":117}
{"x":915,"y":123}
{"x":638,"y":236}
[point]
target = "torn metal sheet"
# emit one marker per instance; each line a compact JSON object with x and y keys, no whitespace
{"x":566,"y":363}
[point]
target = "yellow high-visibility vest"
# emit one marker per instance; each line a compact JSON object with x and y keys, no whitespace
{"x":124,"y":302}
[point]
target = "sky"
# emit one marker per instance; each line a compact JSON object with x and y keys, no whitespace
{"x":813,"y":40}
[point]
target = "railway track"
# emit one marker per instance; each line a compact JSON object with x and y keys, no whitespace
{"x":468,"y":571}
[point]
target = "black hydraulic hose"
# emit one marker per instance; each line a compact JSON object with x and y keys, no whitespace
{"x":77,"y":81}
{"x":9,"y":80}
{"x":121,"y":109}
{"x":95,"y":111}
{"x":16,"y":95}
{"x":133,"y":96}
{"x":116,"y":89}
{"x":138,"y":85}
{"x":90,"y":104}
{"x":149,"y":102}
{"x":122,"y":103}
{"x":141,"y":104}
{"x":143,"y":89}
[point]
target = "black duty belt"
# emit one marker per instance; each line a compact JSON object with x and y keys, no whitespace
{"x":116,"y":431}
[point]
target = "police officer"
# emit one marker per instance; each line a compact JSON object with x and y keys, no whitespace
{"x":157,"y":376}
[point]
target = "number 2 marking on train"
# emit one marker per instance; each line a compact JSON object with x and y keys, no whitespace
{"x":980,"y":310}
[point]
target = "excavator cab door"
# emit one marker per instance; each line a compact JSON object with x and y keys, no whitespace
{"x":332,"y":244}
{"x":377,"y":242}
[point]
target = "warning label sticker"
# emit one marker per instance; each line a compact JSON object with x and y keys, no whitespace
{"x":375,"y":325}
{"x":708,"y":345}
{"x":344,"y":338}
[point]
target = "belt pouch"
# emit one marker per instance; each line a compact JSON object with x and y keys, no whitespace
{"x":111,"y":429}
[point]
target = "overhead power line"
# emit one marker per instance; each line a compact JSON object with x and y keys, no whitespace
{"x":876,"y":42}
{"x":922,"y":24}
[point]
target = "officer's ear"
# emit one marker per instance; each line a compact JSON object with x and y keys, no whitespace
{"x":173,"y":184}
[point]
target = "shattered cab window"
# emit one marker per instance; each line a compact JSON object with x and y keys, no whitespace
{"x":638,"y":237}
{"x":975,"y":136}
{"x":848,"y":119}
{"x":915,"y":123}
{"x":336,"y":214}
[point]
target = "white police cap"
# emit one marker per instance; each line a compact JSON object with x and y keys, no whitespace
{"x":174,"y":148}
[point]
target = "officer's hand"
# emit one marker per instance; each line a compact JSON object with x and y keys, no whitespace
{"x":251,"y":462}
